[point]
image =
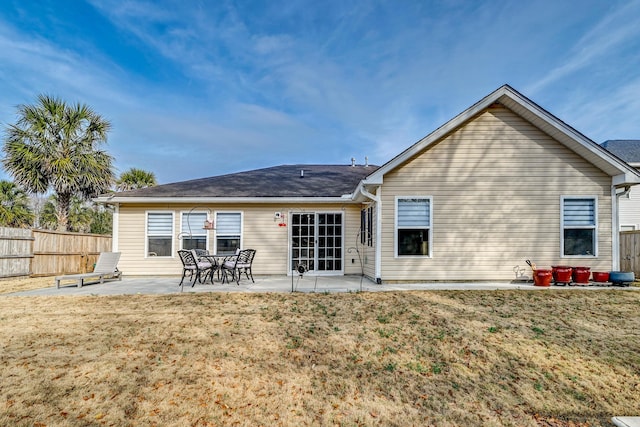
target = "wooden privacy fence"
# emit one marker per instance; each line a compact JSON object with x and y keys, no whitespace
{"x":16,"y":252}
{"x":47,"y":253}
{"x":630,"y":251}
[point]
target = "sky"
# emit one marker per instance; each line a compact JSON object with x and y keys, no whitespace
{"x":200,"y":88}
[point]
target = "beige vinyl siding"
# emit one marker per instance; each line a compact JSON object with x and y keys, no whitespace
{"x":496,"y":185}
{"x":260,"y":231}
{"x":630,"y":209}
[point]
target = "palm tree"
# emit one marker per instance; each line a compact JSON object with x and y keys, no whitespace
{"x":14,"y":206}
{"x":135,"y":178}
{"x":79,"y":220}
{"x":55,"y":146}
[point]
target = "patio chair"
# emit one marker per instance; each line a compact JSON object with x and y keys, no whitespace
{"x":238,"y":264}
{"x":204,"y":256}
{"x":106,"y":268}
{"x":201,"y":252}
{"x":197,"y":270}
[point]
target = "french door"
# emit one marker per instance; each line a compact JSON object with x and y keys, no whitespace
{"x":316,"y":241}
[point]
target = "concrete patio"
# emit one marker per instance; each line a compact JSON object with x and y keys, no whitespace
{"x":283,"y":284}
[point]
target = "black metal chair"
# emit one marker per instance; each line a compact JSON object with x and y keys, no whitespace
{"x":203,"y":255}
{"x":238,"y":264}
{"x":196,"y":269}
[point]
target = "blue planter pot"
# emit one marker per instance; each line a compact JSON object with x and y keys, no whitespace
{"x":621,"y":277}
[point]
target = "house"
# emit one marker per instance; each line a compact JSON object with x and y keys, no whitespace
{"x":500,"y":183}
{"x":629,"y":151}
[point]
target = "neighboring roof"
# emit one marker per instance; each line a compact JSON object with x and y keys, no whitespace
{"x":627,"y":149}
{"x":510,"y":98}
{"x":278,"y":182}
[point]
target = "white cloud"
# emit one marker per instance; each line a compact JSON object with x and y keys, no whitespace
{"x":613,"y":34}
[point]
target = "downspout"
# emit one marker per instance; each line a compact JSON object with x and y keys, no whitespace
{"x":378,"y":240}
{"x":615,"y":226}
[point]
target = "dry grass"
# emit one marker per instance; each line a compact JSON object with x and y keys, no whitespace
{"x":25,"y":284}
{"x":499,"y":358}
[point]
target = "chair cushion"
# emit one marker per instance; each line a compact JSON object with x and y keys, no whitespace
{"x":204,"y":265}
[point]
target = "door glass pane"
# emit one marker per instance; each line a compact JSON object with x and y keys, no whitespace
{"x":302,"y":240}
{"x":329,"y":242}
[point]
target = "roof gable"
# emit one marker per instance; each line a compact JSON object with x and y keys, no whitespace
{"x":537,"y":116}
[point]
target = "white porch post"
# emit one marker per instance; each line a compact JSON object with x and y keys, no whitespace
{"x":378,"y":234}
{"x":115,"y":228}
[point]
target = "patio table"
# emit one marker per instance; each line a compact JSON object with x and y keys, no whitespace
{"x":217,"y":260}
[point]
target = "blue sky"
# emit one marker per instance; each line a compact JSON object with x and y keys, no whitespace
{"x":202,"y":88}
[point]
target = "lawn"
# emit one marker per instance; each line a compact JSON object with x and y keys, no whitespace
{"x":469,"y":358}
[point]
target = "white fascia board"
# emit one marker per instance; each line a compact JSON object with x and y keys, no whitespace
{"x":203,"y":200}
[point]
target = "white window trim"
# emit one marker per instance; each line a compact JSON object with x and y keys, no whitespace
{"x":197,"y":226}
{"x":215,"y":236}
{"x":146,"y":232}
{"x":395,"y":227}
{"x":594,"y":227}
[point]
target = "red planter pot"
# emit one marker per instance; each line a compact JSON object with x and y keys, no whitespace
{"x":562,"y":273}
{"x":581,"y":274}
{"x":600,"y":276}
{"x":542,"y":277}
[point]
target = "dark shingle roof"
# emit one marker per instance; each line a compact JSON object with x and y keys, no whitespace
{"x":278,"y":181}
{"x":627,"y":149}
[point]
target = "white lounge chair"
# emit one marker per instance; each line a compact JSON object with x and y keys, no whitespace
{"x":106,"y":268}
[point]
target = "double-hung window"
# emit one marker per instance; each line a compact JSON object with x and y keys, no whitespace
{"x":579,"y":226}
{"x":194,"y":236}
{"x":413,"y":226}
{"x":228,"y":232}
{"x":159,"y":233}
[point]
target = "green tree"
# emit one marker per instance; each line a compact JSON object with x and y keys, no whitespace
{"x":14,"y":206}
{"x":79,"y":219}
{"x":135,"y":178}
{"x":101,"y":220}
{"x":56,"y":146}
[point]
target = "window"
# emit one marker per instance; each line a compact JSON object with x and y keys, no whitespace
{"x":194,"y":236}
{"x":228,"y":232}
{"x":579,"y":216}
{"x":159,"y":233}
{"x":370,"y":226}
{"x":366,"y":226}
{"x":413,"y":226}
